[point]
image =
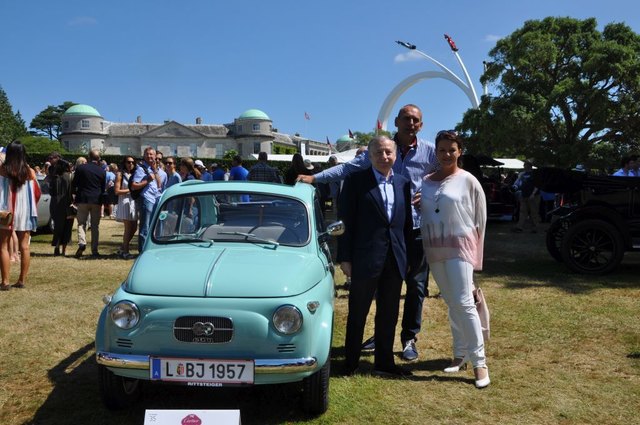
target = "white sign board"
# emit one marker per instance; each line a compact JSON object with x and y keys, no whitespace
{"x":192,"y":417}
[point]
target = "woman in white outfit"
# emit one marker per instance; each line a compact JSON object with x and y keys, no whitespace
{"x":126,"y":210}
{"x":454,"y":212}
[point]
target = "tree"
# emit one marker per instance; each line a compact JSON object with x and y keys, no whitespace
{"x":566,"y":93}
{"x":11,"y":125}
{"x":49,"y":121}
{"x":42,"y":145}
{"x":228,"y":155}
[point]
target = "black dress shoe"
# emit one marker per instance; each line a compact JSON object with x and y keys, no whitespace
{"x":80,"y":250}
{"x":391,"y":372}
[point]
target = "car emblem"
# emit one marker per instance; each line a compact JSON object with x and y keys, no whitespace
{"x":203,"y":329}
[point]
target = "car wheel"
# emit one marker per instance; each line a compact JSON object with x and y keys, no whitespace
{"x":315,"y":393}
{"x":592,"y":247}
{"x":555,"y":233}
{"x":117,"y":392}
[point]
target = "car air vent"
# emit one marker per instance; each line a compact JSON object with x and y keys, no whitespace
{"x":286,"y":348}
{"x":124,"y":343}
{"x":203,"y":329}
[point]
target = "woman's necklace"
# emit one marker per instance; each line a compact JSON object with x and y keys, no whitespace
{"x":436,"y":196}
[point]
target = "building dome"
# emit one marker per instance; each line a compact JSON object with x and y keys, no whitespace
{"x":84,"y":110}
{"x":345,"y":139}
{"x":254,"y":114}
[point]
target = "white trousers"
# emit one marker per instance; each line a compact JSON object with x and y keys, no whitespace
{"x":455,"y":280}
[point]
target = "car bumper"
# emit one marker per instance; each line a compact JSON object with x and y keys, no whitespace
{"x":262,"y":366}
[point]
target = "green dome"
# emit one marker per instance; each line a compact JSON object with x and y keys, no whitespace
{"x":254,"y":114}
{"x":82,"y":110}
{"x":344,"y":139}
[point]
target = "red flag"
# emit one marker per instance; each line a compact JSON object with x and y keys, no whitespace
{"x":306,"y":116}
{"x":351,"y":134}
{"x":379,"y":125}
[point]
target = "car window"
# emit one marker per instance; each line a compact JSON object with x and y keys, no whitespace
{"x":232,"y":217}
{"x":44,"y":186}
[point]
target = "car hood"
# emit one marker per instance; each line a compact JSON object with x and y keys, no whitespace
{"x":250,"y":271}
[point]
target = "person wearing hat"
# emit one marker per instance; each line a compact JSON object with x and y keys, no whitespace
{"x":205,"y":175}
{"x":217,"y":173}
{"x":298,"y":167}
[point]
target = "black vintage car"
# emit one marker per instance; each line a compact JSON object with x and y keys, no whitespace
{"x":598,"y":219}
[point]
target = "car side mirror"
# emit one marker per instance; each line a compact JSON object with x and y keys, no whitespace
{"x":333,"y":229}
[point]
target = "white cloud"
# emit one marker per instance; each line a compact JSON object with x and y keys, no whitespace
{"x":82,"y":21}
{"x":492,"y":38}
{"x":411,"y":55}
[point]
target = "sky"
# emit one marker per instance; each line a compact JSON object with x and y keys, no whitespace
{"x":336,"y":60}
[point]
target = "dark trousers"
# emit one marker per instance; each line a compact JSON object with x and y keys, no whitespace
{"x":416,"y":282}
{"x":361,"y":292}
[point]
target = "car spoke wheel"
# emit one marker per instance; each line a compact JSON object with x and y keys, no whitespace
{"x":555,"y":233}
{"x":592,"y":247}
{"x":117,"y":392}
{"x":315,"y":395}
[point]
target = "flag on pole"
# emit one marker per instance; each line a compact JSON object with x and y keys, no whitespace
{"x":379,"y":125}
{"x":306,"y":116}
{"x":351,"y":134}
{"x":330,"y":147}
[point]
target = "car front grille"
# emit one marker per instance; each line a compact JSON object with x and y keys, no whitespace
{"x":203,"y":329}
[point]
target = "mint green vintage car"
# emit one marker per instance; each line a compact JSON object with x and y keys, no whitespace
{"x":234,"y":287}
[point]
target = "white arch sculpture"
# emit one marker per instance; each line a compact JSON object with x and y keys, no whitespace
{"x":407,"y":83}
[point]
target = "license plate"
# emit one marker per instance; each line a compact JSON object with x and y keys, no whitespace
{"x":220,"y":372}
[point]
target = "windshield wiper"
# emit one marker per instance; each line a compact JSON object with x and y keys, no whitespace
{"x":251,"y":236}
{"x":187,"y":238}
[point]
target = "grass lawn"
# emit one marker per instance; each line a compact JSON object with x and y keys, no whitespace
{"x":565,"y":349}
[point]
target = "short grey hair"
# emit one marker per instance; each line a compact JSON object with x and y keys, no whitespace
{"x":376,"y":140}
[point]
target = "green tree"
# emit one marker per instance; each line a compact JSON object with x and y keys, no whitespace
{"x":566,"y":93}
{"x":11,"y":125}
{"x":49,"y":121}
{"x":228,"y":155}
{"x":40,"y":144}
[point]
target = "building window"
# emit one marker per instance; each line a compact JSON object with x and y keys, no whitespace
{"x":124,"y":149}
{"x":86,"y":124}
{"x":256,"y":147}
{"x":240,"y":149}
{"x":85,"y":146}
{"x":239,"y":129}
{"x":256,"y":127}
{"x":219,"y":150}
{"x":193,"y":149}
{"x":173,"y":149}
{"x":65,"y":124}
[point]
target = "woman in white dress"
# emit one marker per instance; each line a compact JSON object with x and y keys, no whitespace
{"x":19,"y":193}
{"x":126,"y":211}
{"x":454,"y":215}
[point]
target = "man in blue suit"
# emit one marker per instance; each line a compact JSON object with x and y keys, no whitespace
{"x":375,"y":206}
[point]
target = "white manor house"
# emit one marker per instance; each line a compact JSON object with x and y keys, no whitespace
{"x":83,"y":128}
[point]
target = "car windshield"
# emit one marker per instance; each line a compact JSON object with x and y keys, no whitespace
{"x":232,"y":217}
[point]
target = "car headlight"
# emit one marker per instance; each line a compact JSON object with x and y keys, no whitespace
{"x":125,"y":314}
{"x":287,"y":319}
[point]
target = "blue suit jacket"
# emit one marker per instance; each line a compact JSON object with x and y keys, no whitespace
{"x":368,"y":231}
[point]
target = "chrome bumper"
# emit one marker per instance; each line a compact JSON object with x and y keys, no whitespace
{"x":130,"y":361}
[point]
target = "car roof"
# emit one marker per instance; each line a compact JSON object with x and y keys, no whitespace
{"x":302,"y":191}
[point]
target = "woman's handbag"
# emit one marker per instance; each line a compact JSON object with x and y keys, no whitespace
{"x":483,"y":312}
{"x":6,"y":218}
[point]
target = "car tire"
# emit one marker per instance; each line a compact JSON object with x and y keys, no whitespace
{"x":315,"y":392}
{"x":117,"y":392}
{"x":555,"y":233}
{"x":592,"y":247}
